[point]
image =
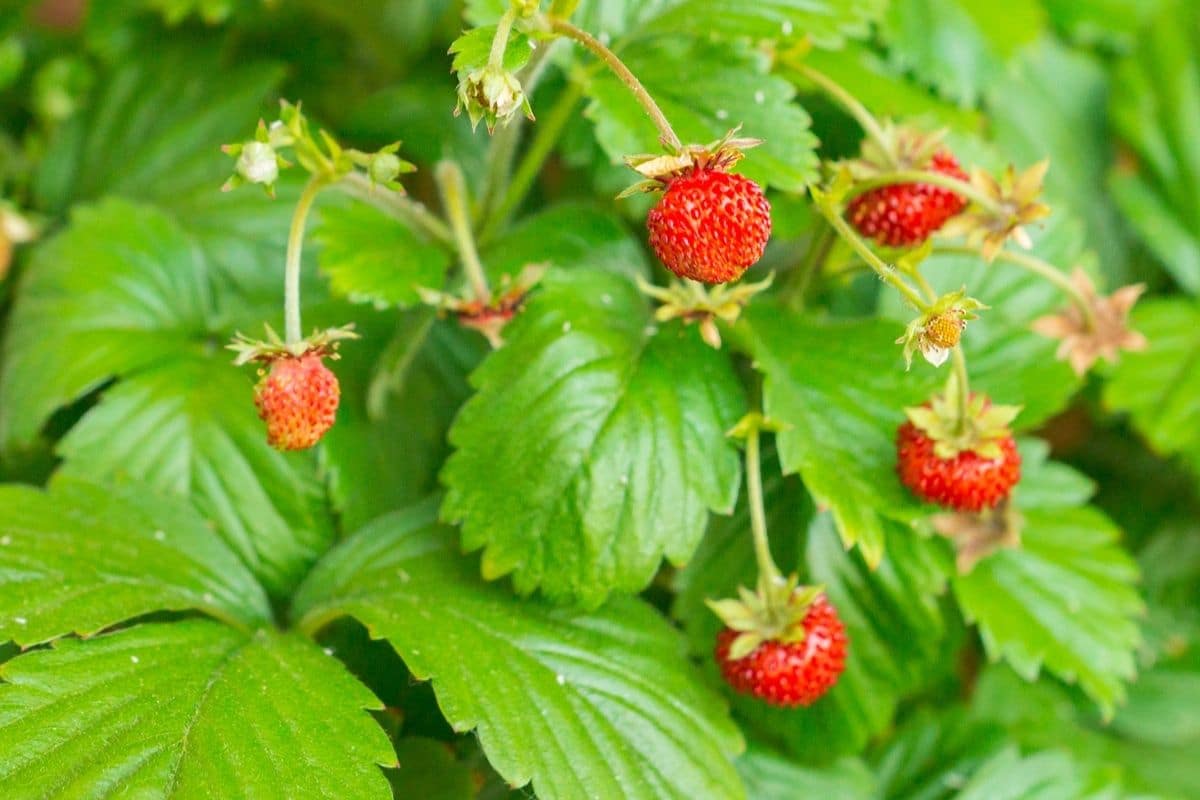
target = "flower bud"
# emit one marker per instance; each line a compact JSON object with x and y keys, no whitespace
{"x":492,"y":95}
{"x":384,"y":168}
{"x":258,"y":163}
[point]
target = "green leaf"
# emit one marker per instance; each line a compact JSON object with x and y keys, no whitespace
{"x":81,"y":557}
{"x":1064,"y":599}
{"x":567,"y":235}
{"x":582,"y":704}
{"x":1155,"y":101}
{"x":727,"y":85}
{"x":1115,"y":23}
{"x":370,"y":257}
{"x":958,"y":46}
{"x":125,"y":293}
{"x":769,"y":776}
{"x":1009,"y":776}
{"x":931,"y":756}
{"x":152,"y":129}
{"x":188,"y":709}
{"x":825,"y":23}
{"x":612,"y":436}
{"x":841,"y":388}
{"x":1160,"y":388}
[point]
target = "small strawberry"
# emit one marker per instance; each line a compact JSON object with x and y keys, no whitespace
{"x":906,"y":214}
{"x":298,"y":396}
{"x":789,"y":674}
{"x":710,"y":225}
{"x":298,"y":399}
{"x":970,"y":465}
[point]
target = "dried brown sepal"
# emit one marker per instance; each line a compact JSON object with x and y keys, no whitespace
{"x":1016,"y":196}
{"x":703,"y":305}
{"x":1102,"y":334}
{"x":659,"y":169}
{"x":977,"y":535}
{"x":488,"y":315}
{"x":324,"y":343}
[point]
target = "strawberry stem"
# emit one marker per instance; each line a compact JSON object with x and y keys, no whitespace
{"x":758,"y":518}
{"x":561,"y":26}
{"x":847,"y":101}
{"x":295,"y":248}
{"x":500,"y":40}
{"x":964,"y":388}
{"x":456,"y":204}
{"x":956,"y":185}
{"x":885,"y":272}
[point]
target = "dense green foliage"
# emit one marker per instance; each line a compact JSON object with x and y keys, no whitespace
{"x":489,"y":579}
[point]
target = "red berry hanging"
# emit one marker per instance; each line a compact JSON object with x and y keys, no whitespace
{"x":710,"y":225}
{"x":796,"y":673}
{"x":967,"y":466}
{"x":298,"y":399}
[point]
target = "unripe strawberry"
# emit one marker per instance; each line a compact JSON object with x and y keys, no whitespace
{"x":789,"y":674}
{"x":298,"y":399}
{"x":968,"y":481}
{"x":906,"y":214}
{"x":710,"y":225}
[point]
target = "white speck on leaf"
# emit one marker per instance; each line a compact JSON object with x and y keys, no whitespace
{"x":722,"y":114}
{"x":566,"y":326}
{"x":403,"y":575}
{"x":208,"y":598}
{"x":606,"y":298}
{"x":562,"y":679}
{"x":160,"y":535}
{"x":134,"y":659}
{"x":5,"y":540}
{"x":760,"y":96}
{"x":786,"y":27}
{"x":328,"y":651}
{"x":20,"y":620}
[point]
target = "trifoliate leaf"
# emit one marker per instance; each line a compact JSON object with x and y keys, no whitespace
{"x":1160,"y":388}
{"x":124,"y":293}
{"x":370,"y":257}
{"x":188,"y":709}
{"x":81,"y":557}
{"x":581,"y":704}
{"x":472,"y":49}
{"x":612,"y":436}
{"x":1064,"y":599}
{"x":842,"y":389}
{"x":727,"y":85}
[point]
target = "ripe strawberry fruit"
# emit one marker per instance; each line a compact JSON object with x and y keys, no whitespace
{"x":710,"y":225}
{"x":968,"y":481}
{"x":906,"y":214}
{"x":796,"y":674}
{"x":298,"y":400}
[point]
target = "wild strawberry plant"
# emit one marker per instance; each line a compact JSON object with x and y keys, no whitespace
{"x":754,"y":405}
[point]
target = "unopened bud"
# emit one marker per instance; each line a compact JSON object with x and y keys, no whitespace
{"x":258,"y":163}
{"x":493,"y":95}
{"x":384,"y":167}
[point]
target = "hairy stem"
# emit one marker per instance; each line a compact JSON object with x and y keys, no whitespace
{"x":456,"y":204}
{"x":847,"y":101}
{"x":500,"y":40}
{"x":758,"y":517}
{"x":886,"y":273}
{"x":295,"y":248}
{"x":549,"y":129}
{"x":964,"y":387}
{"x":561,"y":26}
{"x":409,"y":211}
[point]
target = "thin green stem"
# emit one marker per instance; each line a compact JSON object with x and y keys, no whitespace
{"x":618,"y":67}
{"x":295,"y":248}
{"x":950,"y":182}
{"x":847,"y":101}
{"x":814,"y":260}
{"x":758,"y":517}
{"x":924,"y":285}
{"x":964,"y":387}
{"x":549,"y":129}
{"x":884,"y":271}
{"x":409,"y":211}
{"x":456,"y":205}
{"x":1037,"y":266}
{"x":500,"y":40}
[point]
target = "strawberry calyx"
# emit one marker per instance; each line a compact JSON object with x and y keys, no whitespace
{"x":775,"y":611}
{"x":322,"y":343}
{"x":981,"y":430}
{"x":489,"y":314}
{"x":1014,"y":203}
{"x":695,"y":303}
{"x":898,"y":148}
{"x":659,"y":170}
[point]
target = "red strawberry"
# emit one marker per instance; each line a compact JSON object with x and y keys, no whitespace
{"x":298,"y":399}
{"x":906,"y":214}
{"x":968,"y":481}
{"x":710,"y":225}
{"x":795,"y":674}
